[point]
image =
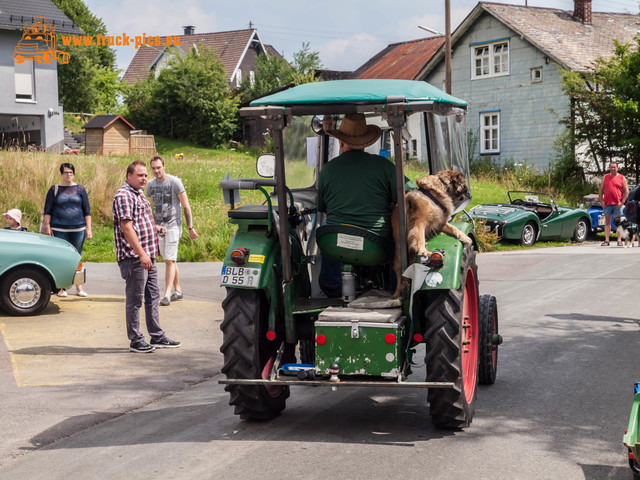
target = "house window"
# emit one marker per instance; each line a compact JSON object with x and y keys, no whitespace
{"x":25,"y":81}
{"x":490,"y":60}
{"x":536,"y":75}
{"x":489,"y":132}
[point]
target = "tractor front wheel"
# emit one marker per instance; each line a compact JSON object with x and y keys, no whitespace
{"x":489,"y":340}
{"x":452,"y":348}
{"x":249,"y":355}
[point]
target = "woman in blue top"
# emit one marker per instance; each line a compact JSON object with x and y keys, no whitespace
{"x":67,"y":214}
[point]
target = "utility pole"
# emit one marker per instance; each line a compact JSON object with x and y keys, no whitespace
{"x":447,"y":46}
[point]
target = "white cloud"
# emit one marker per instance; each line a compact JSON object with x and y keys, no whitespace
{"x":349,"y":53}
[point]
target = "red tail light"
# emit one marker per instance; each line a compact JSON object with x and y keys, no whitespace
{"x":390,"y":338}
{"x":436,"y":260}
{"x":271,"y":335}
{"x":418,"y":337}
{"x":238,"y":255}
{"x":321,"y":339}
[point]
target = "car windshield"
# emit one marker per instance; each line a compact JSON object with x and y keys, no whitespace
{"x":530,"y":197}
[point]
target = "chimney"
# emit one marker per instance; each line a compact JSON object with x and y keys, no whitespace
{"x":190,"y":29}
{"x":582,"y":11}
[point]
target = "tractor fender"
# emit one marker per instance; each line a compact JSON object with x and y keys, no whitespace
{"x":262,"y":255}
{"x":447,"y":277}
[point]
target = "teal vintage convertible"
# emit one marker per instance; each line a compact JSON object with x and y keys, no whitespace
{"x":532,"y":216}
{"x":31,"y":267}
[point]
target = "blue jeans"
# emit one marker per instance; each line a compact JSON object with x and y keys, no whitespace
{"x":74,"y":238}
{"x":141,"y":284}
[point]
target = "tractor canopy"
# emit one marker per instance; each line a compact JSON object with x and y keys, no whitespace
{"x":359,"y":91}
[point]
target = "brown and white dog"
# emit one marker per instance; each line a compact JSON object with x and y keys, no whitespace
{"x":428,"y":210}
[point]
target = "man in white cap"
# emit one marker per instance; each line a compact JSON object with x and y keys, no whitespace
{"x":14,"y":220}
{"x":356,"y":188}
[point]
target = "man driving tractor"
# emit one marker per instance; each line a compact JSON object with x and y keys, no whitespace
{"x":356,"y":188}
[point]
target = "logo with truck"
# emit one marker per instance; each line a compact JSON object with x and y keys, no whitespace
{"x":38,"y":43}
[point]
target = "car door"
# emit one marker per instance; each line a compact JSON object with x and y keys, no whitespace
{"x":551,"y":224}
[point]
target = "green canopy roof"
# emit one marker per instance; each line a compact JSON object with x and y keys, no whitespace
{"x":358,"y":91}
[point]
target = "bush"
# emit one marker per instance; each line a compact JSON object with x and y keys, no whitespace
{"x":190,"y":100}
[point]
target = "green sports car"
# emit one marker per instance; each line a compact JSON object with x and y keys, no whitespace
{"x":31,"y":267}
{"x":532,"y":216}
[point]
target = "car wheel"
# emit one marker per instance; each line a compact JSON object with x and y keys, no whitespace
{"x":24,"y":292}
{"x":529,"y":234}
{"x":581,"y":231}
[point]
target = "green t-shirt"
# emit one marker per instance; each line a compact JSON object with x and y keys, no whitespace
{"x":358,"y":188}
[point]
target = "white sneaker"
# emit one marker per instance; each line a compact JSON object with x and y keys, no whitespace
{"x":62,"y":293}
{"x":166,"y":300}
{"x":82,"y":293}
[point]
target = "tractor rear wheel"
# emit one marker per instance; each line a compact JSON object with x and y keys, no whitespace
{"x":249,"y":355}
{"x":452,"y":348}
{"x":488,"y":349}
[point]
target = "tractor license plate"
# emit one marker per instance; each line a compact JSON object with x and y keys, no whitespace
{"x":601,"y":220}
{"x":240,"y":276}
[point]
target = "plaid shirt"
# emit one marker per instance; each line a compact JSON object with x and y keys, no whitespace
{"x":130,"y":204}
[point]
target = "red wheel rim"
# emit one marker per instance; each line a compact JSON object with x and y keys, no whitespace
{"x":470,"y":335}
{"x":273,"y":390}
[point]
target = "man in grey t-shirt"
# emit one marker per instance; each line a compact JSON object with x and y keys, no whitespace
{"x":168,"y":195}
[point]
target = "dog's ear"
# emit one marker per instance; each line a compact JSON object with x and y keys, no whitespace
{"x":426,"y":182}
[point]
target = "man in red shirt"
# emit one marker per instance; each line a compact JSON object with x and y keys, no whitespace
{"x":613,"y":193}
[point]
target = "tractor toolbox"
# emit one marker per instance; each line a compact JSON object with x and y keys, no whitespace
{"x":360,"y":341}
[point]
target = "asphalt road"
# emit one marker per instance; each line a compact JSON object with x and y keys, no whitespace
{"x":76,"y":404}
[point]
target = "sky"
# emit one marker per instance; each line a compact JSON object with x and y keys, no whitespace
{"x":346,"y":33}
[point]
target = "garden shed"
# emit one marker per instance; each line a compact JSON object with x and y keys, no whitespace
{"x":107,"y":135}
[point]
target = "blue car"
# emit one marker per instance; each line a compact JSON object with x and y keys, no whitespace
{"x":595,"y":212}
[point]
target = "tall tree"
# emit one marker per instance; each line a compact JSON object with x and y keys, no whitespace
{"x":89,"y":82}
{"x":605,"y":110}
{"x":190,"y":100}
{"x":305,"y":63}
{"x":273,"y":71}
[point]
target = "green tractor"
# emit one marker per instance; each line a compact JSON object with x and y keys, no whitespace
{"x":366,"y":338}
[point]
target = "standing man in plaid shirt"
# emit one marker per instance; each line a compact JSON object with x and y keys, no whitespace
{"x":136,"y":237}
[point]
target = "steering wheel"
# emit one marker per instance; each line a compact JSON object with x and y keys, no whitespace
{"x":518,"y":201}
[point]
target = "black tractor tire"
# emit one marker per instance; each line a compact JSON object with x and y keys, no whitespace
{"x":581,"y":232}
{"x":452,"y":348}
{"x":248,"y":354}
{"x":529,"y":234}
{"x":308,"y":351}
{"x":25,"y":292}
{"x":487,"y":350}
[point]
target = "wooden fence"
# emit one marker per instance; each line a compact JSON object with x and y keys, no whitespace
{"x":143,"y":145}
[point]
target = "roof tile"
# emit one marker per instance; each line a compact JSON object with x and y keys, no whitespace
{"x":229,"y":46}
{"x":402,"y":60}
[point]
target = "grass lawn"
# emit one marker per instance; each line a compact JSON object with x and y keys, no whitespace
{"x":27,"y":177}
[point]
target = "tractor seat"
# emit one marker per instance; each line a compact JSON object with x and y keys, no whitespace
{"x":353,"y":245}
{"x":250,"y":212}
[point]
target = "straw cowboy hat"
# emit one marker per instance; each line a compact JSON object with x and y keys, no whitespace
{"x":355,"y":132}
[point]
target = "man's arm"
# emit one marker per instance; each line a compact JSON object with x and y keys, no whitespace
{"x":184,"y":201}
{"x":131,"y":237}
{"x":601,"y":193}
